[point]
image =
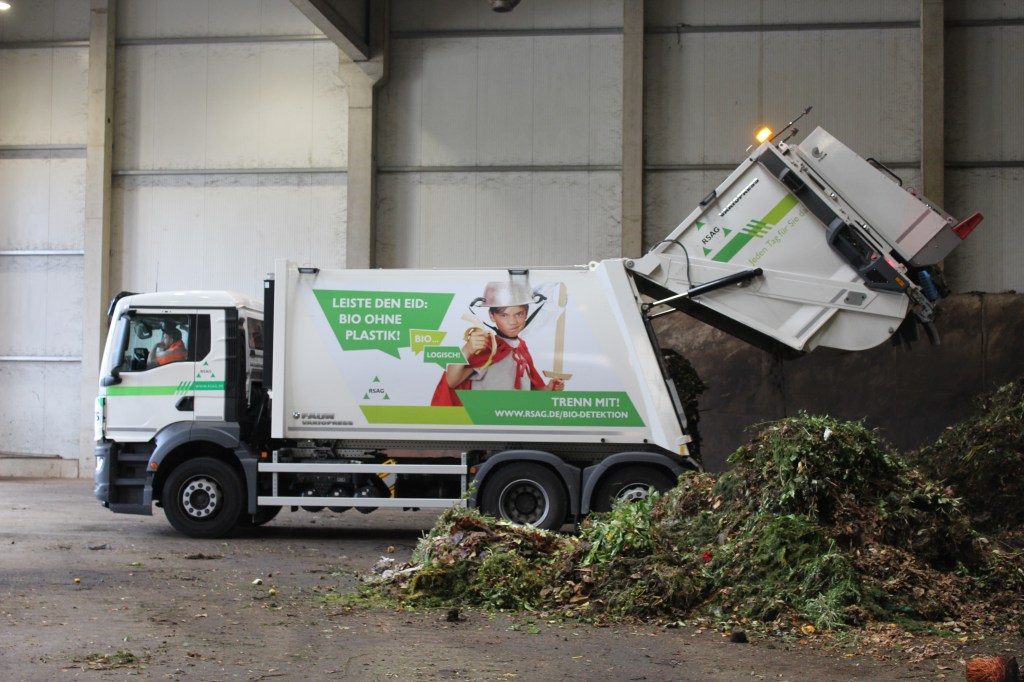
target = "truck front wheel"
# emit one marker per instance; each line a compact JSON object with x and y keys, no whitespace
{"x":629,"y":484}
{"x":527,"y":494}
{"x":202,"y":498}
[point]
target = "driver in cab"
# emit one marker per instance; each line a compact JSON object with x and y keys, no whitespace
{"x":169,"y":349}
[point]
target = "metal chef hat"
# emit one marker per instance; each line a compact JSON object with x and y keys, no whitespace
{"x":516,"y":291}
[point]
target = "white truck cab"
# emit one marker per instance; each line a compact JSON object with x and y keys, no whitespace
{"x":174,"y":363}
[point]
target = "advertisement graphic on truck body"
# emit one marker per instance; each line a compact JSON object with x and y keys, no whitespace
{"x":498,"y":351}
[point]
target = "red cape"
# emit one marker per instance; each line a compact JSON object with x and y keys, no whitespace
{"x":445,"y":396}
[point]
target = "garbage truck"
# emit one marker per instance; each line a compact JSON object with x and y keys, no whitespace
{"x":536,"y":394}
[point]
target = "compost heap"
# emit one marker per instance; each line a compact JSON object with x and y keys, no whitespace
{"x":817,"y":521}
{"x":982,"y":458}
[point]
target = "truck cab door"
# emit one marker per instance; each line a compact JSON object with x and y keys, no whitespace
{"x":210,"y":378}
{"x":155,"y":361}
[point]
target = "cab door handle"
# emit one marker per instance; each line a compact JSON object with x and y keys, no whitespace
{"x":185,"y":404}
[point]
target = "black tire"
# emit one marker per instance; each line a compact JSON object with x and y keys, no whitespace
{"x":525,"y":493}
{"x":629,"y":483}
{"x":202,"y":498}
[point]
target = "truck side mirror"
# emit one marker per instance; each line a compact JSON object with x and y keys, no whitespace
{"x":112,"y":379}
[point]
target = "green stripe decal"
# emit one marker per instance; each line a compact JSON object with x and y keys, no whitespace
{"x":402,"y":414}
{"x":781,"y":209}
{"x":183,"y":387}
{"x":518,"y":408}
{"x":770,"y":219}
{"x":208,"y":386}
{"x":732,"y":248}
{"x":551,"y":408}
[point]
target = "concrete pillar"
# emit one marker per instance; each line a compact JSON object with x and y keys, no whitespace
{"x":933,"y":121}
{"x":362,"y":80}
{"x":362,"y":167}
{"x":96,"y":268}
{"x":632,"y":128}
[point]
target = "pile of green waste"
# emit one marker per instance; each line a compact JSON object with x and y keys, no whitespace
{"x":982,"y":459}
{"x":817,"y":520}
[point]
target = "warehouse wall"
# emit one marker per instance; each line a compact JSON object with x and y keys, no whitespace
{"x":499,"y":143}
{"x":229,"y":151}
{"x":729,"y":66}
{"x":714,"y":71}
{"x":229,"y":142}
{"x":42,"y":214}
{"x":500,"y":134}
{"x":985,"y":140}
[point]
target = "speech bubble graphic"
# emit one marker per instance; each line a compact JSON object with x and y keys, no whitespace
{"x":421,"y":338}
{"x":444,"y":355}
{"x":380,"y":320}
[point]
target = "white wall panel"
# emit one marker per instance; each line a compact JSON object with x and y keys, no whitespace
{"x":985,"y":93}
{"x":870,"y":93}
{"x":990,"y":258}
{"x":46,"y":20}
{"x":44,"y":204}
{"x":449,"y":75}
{"x":178,"y":126}
{"x":604,"y":108}
{"x":576,"y":217}
{"x":497,"y":219}
{"x":44,"y":294}
{"x":466,"y":15}
{"x":43,"y":96}
{"x":493,"y":101}
{"x":223,"y":232}
{"x":505,"y":96}
{"x":400,"y":106}
{"x":564,"y":117}
{"x":201,"y":18}
{"x":233,"y":108}
{"x":561,"y":133}
{"x":501,"y":220}
{"x":701,"y":96}
{"x":706,"y":93}
{"x":37,"y":408}
{"x":277,"y":105}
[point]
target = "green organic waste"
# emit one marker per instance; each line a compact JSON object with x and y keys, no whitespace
{"x":118,"y":659}
{"x":982,"y":458}
{"x":818,"y":521}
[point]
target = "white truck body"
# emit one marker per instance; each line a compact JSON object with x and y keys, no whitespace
{"x":363,"y":351}
{"x":404,"y":388}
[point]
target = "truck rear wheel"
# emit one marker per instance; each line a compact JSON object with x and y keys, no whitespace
{"x":527,"y":494}
{"x":629,"y":483}
{"x":202,"y":498}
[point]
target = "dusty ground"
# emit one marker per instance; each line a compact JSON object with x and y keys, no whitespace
{"x":87,"y":594}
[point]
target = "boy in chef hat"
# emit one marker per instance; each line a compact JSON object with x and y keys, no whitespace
{"x":497,"y":358}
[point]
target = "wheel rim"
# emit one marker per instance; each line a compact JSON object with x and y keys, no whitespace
{"x":633,"y":493}
{"x":200,"y":498}
{"x":524,"y":502}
